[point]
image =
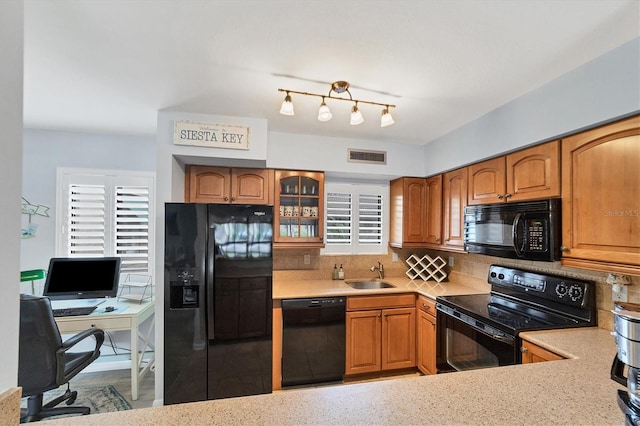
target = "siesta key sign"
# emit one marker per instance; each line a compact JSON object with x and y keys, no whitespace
{"x":211,"y":135}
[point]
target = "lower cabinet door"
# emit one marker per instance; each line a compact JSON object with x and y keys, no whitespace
{"x":363,"y":342}
{"x":398,"y":338}
{"x":534,"y":353}
{"x":426,"y":343}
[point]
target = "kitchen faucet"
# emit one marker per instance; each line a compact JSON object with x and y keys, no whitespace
{"x":380,"y":269}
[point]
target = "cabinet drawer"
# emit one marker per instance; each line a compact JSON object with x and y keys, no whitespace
{"x":380,"y":302}
{"x":77,"y":325}
{"x":427,"y":305}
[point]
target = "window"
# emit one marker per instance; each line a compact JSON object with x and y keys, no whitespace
{"x":106,"y":213}
{"x":356,"y":218}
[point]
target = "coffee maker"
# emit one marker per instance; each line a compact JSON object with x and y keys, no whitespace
{"x":627,"y":336}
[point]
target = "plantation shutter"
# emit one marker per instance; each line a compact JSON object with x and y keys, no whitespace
{"x":106,"y":213}
{"x":339,"y":218}
{"x":132,"y":227}
{"x":370,"y":219}
{"x":86,"y":221}
{"x":355,"y":219}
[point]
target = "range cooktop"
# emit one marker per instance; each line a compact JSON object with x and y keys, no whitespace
{"x":525,"y":300}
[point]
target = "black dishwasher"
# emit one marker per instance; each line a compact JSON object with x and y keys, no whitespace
{"x":313,"y":340}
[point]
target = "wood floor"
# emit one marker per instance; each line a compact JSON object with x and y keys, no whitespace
{"x":121,"y":380}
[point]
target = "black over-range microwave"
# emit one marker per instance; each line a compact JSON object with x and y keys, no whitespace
{"x":523,"y":230}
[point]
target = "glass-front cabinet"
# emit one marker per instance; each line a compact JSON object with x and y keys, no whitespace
{"x":299,"y":205}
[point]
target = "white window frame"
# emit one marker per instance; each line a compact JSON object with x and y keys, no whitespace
{"x":110,"y":179}
{"x":356,"y":189}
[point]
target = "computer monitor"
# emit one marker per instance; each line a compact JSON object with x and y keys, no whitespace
{"x":82,"y":278}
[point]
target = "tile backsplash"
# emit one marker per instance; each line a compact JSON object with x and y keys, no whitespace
{"x":289,"y":264}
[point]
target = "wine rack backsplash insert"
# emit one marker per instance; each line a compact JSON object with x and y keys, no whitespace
{"x":426,"y":268}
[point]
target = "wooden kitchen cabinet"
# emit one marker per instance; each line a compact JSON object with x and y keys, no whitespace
{"x":298,"y":209}
{"x":224,"y":185}
{"x":601,"y":198}
{"x":426,"y":335}
{"x":454,"y":200}
{"x":534,"y":353}
{"x":487,"y":182}
{"x":380,"y":333}
{"x":415,"y":212}
{"x":528,"y":174}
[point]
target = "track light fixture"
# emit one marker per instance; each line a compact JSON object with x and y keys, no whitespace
{"x":287,"y":106}
{"x":324,"y":113}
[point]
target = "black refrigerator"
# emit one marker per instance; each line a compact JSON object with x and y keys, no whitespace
{"x":217,"y":301}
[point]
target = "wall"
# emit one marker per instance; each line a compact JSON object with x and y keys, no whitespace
{"x":603,"y":89}
{"x":45,"y":151}
{"x":11,"y":72}
{"x":307,"y":152}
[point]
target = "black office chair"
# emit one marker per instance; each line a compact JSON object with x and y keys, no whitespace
{"x":44,"y":362}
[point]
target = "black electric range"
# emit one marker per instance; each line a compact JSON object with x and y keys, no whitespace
{"x":488,"y":325}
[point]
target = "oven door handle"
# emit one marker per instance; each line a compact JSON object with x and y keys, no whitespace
{"x":502,"y":339}
{"x":514,"y":234}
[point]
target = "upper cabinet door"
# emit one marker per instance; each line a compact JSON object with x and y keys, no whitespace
{"x":252,"y":186}
{"x":414,"y":209}
{"x":487,"y":182}
{"x":601,"y":198}
{"x":299,"y":209}
{"x":206,"y":184}
{"x":415,"y":212}
{"x":454,"y":200}
{"x":224,"y":185}
{"x":534,"y":173}
{"x":433,"y":221}
{"x":529,"y":174}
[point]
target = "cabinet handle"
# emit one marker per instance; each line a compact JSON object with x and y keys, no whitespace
{"x":378,"y":316}
{"x":233,"y":198}
{"x":226,"y":198}
{"x":564,"y":249}
{"x":437,"y":240}
{"x":500,"y":197}
{"x":507,"y":195}
{"x":523,"y":350}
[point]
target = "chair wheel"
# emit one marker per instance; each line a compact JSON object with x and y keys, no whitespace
{"x":72,"y":398}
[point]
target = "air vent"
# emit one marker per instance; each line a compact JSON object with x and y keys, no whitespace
{"x":371,"y":157}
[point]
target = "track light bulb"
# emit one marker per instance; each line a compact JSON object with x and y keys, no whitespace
{"x":287,"y":106}
{"x":356,"y":115}
{"x":386,"y":119}
{"x":324,"y":113}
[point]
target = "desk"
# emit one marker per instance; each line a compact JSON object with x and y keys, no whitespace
{"x":127,"y":319}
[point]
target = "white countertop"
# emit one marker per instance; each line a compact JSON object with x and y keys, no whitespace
{"x":576,"y":391}
{"x":458,"y":284}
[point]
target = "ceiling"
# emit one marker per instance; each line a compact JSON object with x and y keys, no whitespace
{"x":109,"y":66}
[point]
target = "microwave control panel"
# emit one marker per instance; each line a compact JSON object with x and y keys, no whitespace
{"x":535,"y":235}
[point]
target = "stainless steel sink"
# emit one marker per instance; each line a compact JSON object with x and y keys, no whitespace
{"x":368,"y":284}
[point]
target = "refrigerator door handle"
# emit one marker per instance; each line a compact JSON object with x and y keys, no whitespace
{"x":209,"y":282}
